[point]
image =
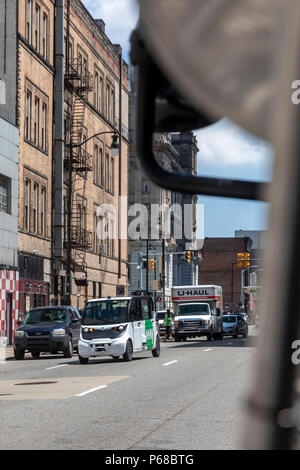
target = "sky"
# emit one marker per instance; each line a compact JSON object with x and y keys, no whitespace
{"x":225,"y":150}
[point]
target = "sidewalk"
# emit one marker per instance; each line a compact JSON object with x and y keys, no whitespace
{"x":6,"y":352}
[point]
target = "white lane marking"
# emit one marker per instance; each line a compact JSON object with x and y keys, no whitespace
{"x":56,"y":367}
{"x":171,"y":362}
{"x":208,"y":349}
{"x":90,"y":391}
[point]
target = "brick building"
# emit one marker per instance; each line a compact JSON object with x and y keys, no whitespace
{"x":219,"y":267}
{"x":95,"y":99}
{"x":35,"y":76}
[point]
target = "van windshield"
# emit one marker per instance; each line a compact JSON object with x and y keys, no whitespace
{"x":104,"y":312}
{"x":193,"y":309}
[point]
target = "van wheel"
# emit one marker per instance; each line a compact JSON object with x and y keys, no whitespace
{"x":83,"y":360}
{"x":35,"y":354}
{"x":68,"y":350}
{"x":19,"y":353}
{"x":209,"y":336}
{"x":127,"y":356}
{"x":156,"y":351}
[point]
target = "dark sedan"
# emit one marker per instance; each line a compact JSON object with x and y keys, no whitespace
{"x":48,"y":329}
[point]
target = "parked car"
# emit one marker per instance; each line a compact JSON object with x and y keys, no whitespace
{"x":244,"y":315}
{"x":160,"y":317}
{"x":234,"y":325}
{"x":48,"y":329}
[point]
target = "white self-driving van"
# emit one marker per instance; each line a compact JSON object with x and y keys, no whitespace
{"x":118,"y":327}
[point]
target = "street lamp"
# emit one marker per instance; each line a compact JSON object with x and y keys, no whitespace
{"x":115,"y":146}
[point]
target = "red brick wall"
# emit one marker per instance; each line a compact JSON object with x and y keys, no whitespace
{"x":216,"y":267}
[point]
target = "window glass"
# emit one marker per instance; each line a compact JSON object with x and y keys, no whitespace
{"x":146,"y":312}
{"x":135,"y":310}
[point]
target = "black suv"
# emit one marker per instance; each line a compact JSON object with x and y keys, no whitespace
{"x":48,"y":329}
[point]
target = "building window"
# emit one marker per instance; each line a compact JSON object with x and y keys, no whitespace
{"x":112,"y":175}
{"x":35,"y":208}
{"x":44,"y":122}
{"x":36,"y":125}
{"x":5,"y":188}
{"x":28,"y":115}
{"x":37,"y":28}
{"x":112,"y":107}
{"x":146,"y":188}
{"x":94,"y":289}
{"x":96,"y":90}
{"x":107,"y":102}
{"x":28,"y":20}
{"x":43,"y":211}
{"x":27,"y":204}
{"x":45,"y":36}
{"x":101,"y":85}
{"x":96,"y":165}
{"x":107,"y":185}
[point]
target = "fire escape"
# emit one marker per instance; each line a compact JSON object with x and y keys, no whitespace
{"x":78,"y":83}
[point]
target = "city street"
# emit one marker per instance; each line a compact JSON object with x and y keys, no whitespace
{"x":191,"y":397}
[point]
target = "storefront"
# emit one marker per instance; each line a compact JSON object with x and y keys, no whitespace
{"x":33,"y":294}
{"x":9,"y":290}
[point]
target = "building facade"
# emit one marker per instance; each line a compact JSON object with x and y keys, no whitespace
{"x":35,"y":102}
{"x":9,"y":144}
{"x":94,"y":101}
{"x":96,"y":104}
{"x":163,"y":239}
{"x":219,"y":266}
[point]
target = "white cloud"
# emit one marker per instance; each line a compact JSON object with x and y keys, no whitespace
{"x":225,"y":144}
{"x":120,"y":18}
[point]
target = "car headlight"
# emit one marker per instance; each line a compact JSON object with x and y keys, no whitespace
{"x":87,"y":330}
{"x":19,"y":334}
{"x":207,"y":322}
{"x":59,"y":331}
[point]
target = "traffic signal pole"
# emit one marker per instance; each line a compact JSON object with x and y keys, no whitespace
{"x":147,"y":265}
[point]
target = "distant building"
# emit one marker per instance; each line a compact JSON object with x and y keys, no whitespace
{"x":258,"y":237}
{"x":176,"y":153}
{"x":219,"y":266}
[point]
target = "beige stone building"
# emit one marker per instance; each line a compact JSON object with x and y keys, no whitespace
{"x":35,"y":106}
{"x":95,"y":101}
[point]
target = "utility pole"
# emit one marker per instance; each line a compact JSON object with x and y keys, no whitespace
{"x":164,"y":273}
{"x":147,"y":265}
{"x":69,"y":225}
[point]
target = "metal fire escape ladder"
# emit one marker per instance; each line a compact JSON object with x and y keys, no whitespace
{"x":78,"y":81}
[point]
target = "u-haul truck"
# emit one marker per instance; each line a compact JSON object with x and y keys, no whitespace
{"x":198,"y":312}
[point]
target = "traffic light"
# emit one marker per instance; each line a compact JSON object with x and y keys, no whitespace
{"x":247,"y":262}
{"x":151,"y":264}
{"x":240,"y":257}
{"x":243,"y":260}
{"x":188,"y":256}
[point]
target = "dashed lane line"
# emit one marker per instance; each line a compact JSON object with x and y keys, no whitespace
{"x":90,"y":391}
{"x":169,"y":363}
{"x":56,"y":367}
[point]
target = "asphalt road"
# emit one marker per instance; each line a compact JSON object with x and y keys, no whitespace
{"x":191,"y":397}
